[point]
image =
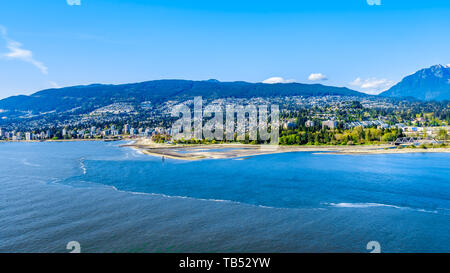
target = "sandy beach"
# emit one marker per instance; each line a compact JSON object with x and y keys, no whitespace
{"x":243,"y":151}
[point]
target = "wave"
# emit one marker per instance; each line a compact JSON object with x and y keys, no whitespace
{"x":336,"y":205}
{"x":25,"y":162}
{"x":371,"y":205}
{"x":132,"y":153}
{"x":137,"y":151}
{"x":360,"y":205}
{"x":83,"y":166}
{"x":210,"y":200}
{"x":191,"y":198}
{"x":172,"y":196}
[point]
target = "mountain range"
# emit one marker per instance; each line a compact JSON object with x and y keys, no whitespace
{"x":98,"y":95}
{"x":426,"y":84}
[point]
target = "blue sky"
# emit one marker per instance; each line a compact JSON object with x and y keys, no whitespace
{"x":49,"y":43}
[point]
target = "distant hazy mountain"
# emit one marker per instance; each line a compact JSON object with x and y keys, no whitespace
{"x":427,"y":84}
{"x":94,"y":96}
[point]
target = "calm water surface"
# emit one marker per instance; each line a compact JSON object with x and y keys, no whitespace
{"x":113,"y":199}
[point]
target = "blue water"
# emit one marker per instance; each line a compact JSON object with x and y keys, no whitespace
{"x":114,"y":199}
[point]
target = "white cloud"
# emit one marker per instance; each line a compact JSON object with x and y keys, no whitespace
{"x":372,"y":85}
{"x":374,"y":2}
{"x":317,"y":77}
{"x":74,"y":2}
{"x":17,"y":52}
{"x":277,"y":80}
{"x":54,"y":84}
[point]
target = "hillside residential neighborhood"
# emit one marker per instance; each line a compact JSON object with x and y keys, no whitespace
{"x":324,"y":113}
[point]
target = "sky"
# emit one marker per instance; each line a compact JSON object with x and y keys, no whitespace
{"x":366,"y":45}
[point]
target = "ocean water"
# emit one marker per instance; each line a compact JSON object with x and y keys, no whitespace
{"x":115,"y":199}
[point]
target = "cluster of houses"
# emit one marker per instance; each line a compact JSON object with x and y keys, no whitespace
{"x":86,"y":133}
{"x":14,"y":135}
{"x":369,"y":123}
{"x":413,"y":131}
{"x":425,"y":131}
{"x":291,"y":124}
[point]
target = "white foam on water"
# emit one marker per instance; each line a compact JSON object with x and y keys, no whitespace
{"x":371,"y":205}
{"x":83,"y":166}
{"x":192,"y":198}
{"x":137,"y":151}
{"x":25,"y":162}
{"x":360,"y":205}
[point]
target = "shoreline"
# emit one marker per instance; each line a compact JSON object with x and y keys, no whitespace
{"x":238,"y":151}
{"x":243,"y":151}
{"x":63,"y":140}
